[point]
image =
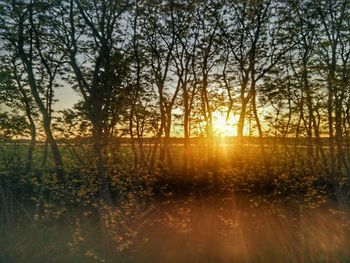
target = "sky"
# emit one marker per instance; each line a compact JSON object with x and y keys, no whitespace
{"x":66,"y":98}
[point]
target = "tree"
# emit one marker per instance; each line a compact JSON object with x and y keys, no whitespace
{"x":333,"y":49}
{"x":256,"y":39}
{"x":91,"y":35}
{"x":26,"y":31}
{"x":15,"y":95}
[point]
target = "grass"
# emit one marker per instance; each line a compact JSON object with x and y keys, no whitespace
{"x":227,"y":229}
{"x":233,"y":213}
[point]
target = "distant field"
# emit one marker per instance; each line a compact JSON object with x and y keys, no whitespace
{"x":231,"y":209}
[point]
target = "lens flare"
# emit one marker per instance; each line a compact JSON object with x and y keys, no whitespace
{"x":223,"y":126}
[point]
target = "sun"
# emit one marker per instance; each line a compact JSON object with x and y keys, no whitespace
{"x":222,"y":126}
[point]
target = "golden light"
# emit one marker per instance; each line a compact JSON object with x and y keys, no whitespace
{"x":224,"y":127}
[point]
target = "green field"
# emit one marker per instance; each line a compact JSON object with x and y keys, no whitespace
{"x":234,"y":212}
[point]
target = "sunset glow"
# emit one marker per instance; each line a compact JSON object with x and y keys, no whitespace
{"x":175,"y":131}
{"x":223,"y":126}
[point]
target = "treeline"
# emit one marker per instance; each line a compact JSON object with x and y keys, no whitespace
{"x":141,"y":67}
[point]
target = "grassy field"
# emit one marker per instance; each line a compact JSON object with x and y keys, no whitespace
{"x":237,"y":212}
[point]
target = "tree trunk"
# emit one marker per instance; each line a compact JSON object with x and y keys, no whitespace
{"x":131,"y":133}
{"x":46,"y":120}
{"x":261,"y":139}
{"x":241,"y":120}
{"x":240,"y":125}
{"x":32,"y":144}
{"x":105,"y":197}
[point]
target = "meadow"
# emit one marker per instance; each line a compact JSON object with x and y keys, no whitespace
{"x":230,"y":210}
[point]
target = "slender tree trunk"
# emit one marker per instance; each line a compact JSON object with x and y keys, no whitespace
{"x":32,"y":144}
{"x":331,"y":132}
{"x":32,"y":128}
{"x":131,"y":133}
{"x":104,"y":191}
{"x":46,"y":120}
{"x":240,"y":125}
{"x":162,"y":129}
{"x":312,"y":116}
{"x":261,"y":139}
{"x":243,"y":111}
{"x":45,"y":153}
{"x":186,"y":146}
{"x":341,"y":160}
{"x":140,"y":143}
{"x":167,"y":138}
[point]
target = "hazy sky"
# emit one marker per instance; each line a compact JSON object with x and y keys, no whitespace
{"x":66,"y":98}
